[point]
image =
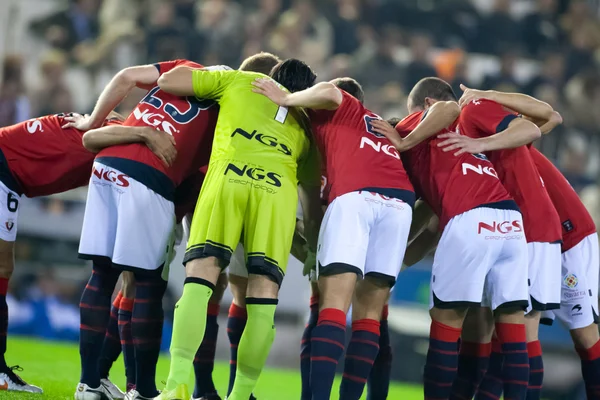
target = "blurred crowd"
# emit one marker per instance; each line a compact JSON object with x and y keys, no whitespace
{"x":547,"y":48}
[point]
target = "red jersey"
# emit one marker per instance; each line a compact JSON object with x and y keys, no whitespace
{"x":44,"y":158}
{"x":575,"y":219}
{"x":516,"y":170}
{"x":451,"y":185}
{"x":355,"y":157}
{"x":191,"y":122}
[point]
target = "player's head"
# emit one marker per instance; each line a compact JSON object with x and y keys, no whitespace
{"x":350,"y":86}
{"x":262,"y":62}
{"x":393,"y":121}
{"x":294,"y":75}
{"x":429,"y":91}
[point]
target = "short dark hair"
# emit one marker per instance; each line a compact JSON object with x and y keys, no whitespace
{"x":294,"y":75}
{"x":350,"y":86}
{"x":262,"y":62}
{"x":434,"y":88}
{"x":393,"y":121}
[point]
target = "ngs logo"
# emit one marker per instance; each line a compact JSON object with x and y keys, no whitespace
{"x":110,"y":175}
{"x":265,"y":140}
{"x":500,"y":227}
{"x":256,"y":174}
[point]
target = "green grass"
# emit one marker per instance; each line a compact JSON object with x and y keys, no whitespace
{"x":55,"y":367}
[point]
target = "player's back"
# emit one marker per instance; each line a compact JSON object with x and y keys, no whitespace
{"x":450,"y":185}
{"x":190,"y":121}
{"x":250,"y":128}
{"x":44,"y":158}
{"x":355,"y":156}
{"x":516,"y":170}
{"x":576,"y":221}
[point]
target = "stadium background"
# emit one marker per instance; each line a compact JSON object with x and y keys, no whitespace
{"x":56,"y":55}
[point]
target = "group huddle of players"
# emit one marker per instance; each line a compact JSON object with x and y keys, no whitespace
{"x":237,"y":157}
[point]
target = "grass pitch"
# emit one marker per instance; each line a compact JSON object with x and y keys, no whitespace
{"x":55,"y":367}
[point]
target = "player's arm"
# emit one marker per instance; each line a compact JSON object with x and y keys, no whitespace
{"x":420,"y":246}
{"x":206,"y":83}
{"x":162,"y":144}
{"x":499,"y":129}
{"x":438,"y":117}
{"x":118,"y":88}
{"x":322,"y":96}
{"x":422,"y":216}
{"x":540,"y":112}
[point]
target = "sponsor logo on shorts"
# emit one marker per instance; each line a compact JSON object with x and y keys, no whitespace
{"x":385,"y":201}
{"x":9,"y":224}
{"x":107,"y":176}
{"x":505,"y":230}
{"x":570,"y":281}
{"x":266,"y":140}
{"x":258,"y":176}
{"x":576,"y":310}
{"x":568,"y":225}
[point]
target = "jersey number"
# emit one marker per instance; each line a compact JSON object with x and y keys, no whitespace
{"x":182,"y":117}
{"x":12,"y":202}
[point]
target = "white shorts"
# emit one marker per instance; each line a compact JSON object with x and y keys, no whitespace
{"x":9,"y":213}
{"x":366,"y":233}
{"x":544,"y":276}
{"x":125,"y":221}
{"x":579,"y":288}
{"x":237,"y":264}
{"x":481,"y":259}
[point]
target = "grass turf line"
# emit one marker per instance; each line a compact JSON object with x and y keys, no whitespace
{"x":55,"y":367}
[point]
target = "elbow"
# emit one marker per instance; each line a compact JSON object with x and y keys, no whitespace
{"x":556,"y":118}
{"x":332,"y":94}
{"x":164,"y":82}
{"x":88,"y":141}
{"x":536,"y":133}
{"x":452,"y":109}
{"x":126,"y":77}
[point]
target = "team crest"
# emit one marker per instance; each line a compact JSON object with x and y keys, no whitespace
{"x":9,"y":224}
{"x":570,"y":281}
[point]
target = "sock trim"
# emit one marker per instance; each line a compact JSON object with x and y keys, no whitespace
{"x":511,"y":333}
{"x":385,"y":313}
{"x":443,"y":332}
{"x":3,"y":286}
{"x":367,"y":325}
{"x":199,"y":281}
{"x":117,"y":302}
{"x":126,"y":304}
{"x":236,"y":311}
{"x":534,"y":349}
{"x":591,"y":354}
{"x":213,"y":309}
{"x":261,"y":301}
{"x":332,"y":315}
{"x":474,"y":349}
{"x":314,"y":301}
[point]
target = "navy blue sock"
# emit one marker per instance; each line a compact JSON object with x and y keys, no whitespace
{"x":305,"y":349}
{"x":204,"y":361}
{"x":111,"y":347}
{"x":472,"y":363}
{"x":442,"y":361}
{"x":491,"y":386}
{"x":146,"y":329}
{"x":3,"y":320}
{"x":327,"y":346}
{"x":590,"y":368}
{"x":236,"y":322}
{"x":378,"y":385}
{"x":125,"y":311}
{"x":94,"y":310}
{"x":536,"y":370}
{"x":515,"y":369}
{"x":360,"y":356}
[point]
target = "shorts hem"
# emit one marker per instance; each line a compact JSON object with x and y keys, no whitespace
{"x":260,"y":264}
{"x":203,"y":250}
{"x":388,"y":279}
{"x":338,"y":268}
{"x":547,"y":321}
{"x":108,"y":261}
{"x":446,"y":305}
{"x":523,"y":304}
{"x":537,"y":306}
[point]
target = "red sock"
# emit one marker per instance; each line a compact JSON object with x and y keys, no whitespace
{"x":515,"y":369}
{"x":442,"y":361}
{"x":590,"y":367}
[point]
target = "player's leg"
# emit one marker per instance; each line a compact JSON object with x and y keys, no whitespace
{"x":378,"y":384}
{"x":461,"y":263}
{"x":578,"y":309}
{"x":544,"y":278}
{"x":111,"y":348}
{"x":216,"y":229}
{"x":96,"y":244}
{"x":507,"y":293}
{"x":236,"y":320}
{"x":343,"y":245}
{"x":125,"y":314}
{"x":305,"y":344}
{"x":389,"y":231}
{"x":474,"y":355}
{"x":268,"y":232}
{"x":204,"y":361}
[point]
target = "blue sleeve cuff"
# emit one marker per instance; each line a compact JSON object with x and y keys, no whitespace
{"x":157,"y":65}
{"x":505,"y":122}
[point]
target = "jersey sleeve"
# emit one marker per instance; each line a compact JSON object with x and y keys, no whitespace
{"x":165,"y":66}
{"x":212,"y":84}
{"x":487,"y":117}
{"x":309,"y":168}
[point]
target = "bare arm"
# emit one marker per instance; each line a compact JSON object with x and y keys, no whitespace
{"x":420,"y":246}
{"x":538,"y":111}
{"x":519,"y":132}
{"x":310,"y":199}
{"x":438,"y":117}
{"x":178,"y":81}
{"x":162,"y":144}
{"x":118,"y":88}
{"x":322,"y":96}
{"x":422,"y":215}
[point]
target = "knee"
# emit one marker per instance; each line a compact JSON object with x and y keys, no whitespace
{"x":262,"y":286}
{"x":239,"y":286}
{"x":7,"y":261}
{"x":585,"y":338}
